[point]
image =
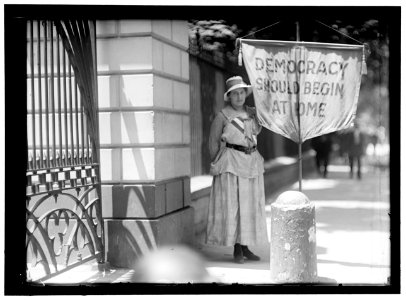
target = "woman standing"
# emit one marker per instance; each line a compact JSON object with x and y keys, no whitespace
{"x":237,"y":201}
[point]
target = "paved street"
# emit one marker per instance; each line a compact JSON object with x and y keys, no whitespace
{"x":352,"y":235}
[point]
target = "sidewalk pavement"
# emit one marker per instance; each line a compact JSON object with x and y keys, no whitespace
{"x":352,"y":232}
{"x":352,"y":236}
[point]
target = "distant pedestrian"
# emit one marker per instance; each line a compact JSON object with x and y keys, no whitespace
{"x":355,"y":141}
{"x":374,"y":140}
{"x":237,"y":202}
{"x":322,"y":145}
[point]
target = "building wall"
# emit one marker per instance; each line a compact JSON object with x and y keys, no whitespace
{"x":144,"y":104}
{"x":207,"y":89}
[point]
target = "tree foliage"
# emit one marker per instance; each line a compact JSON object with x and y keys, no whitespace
{"x":214,"y":36}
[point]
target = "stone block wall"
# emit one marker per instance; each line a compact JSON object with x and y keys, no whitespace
{"x":144,"y":103}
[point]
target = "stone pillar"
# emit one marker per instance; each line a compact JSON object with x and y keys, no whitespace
{"x":293,"y":239}
{"x":143,"y":73}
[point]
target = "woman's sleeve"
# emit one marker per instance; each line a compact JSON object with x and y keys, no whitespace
{"x":258,"y":127}
{"x":216,"y":130}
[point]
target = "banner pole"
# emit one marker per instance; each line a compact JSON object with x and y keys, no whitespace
{"x":298,"y":118}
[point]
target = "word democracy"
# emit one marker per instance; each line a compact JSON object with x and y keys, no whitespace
{"x":273,"y":65}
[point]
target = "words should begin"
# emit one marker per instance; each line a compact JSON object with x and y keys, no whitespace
{"x":294,"y":87}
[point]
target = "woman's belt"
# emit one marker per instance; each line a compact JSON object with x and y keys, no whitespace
{"x":246,"y":150}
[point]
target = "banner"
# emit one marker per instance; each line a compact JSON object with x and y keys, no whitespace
{"x":311,"y":86}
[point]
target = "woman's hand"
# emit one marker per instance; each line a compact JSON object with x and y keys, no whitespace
{"x":216,"y":131}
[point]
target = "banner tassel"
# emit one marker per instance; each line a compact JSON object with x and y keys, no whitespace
{"x":239,"y":52}
{"x":364,"y":70}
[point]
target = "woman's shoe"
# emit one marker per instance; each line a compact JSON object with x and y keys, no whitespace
{"x":248,"y":254}
{"x":238,"y":254}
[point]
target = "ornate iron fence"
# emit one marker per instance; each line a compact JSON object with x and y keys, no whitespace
{"x":63,"y":208}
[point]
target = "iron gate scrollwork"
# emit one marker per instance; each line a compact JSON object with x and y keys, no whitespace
{"x":63,"y":209}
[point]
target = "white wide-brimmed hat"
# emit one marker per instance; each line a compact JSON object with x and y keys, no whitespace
{"x":236,"y":82}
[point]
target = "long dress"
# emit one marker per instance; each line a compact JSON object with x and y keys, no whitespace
{"x":237,"y":200}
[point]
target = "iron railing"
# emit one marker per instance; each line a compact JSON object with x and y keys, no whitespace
{"x":64,"y":223}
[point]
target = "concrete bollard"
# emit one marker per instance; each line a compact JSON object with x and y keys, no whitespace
{"x":293,"y":239}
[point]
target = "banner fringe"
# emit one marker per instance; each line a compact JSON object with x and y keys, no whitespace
{"x":364,"y":70}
